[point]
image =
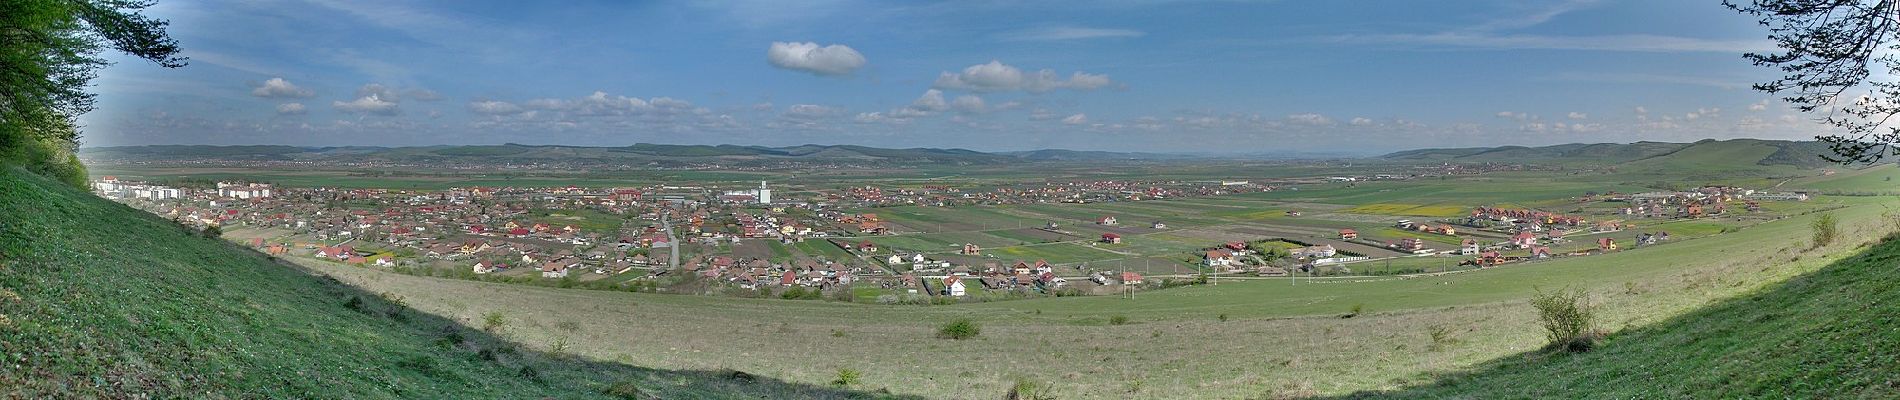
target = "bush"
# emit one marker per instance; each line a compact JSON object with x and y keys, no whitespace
{"x":1356,"y":310}
{"x":1826,"y":229}
{"x":627,"y":389}
{"x":212,"y":231}
{"x":1026,"y":389}
{"x":796,"y":292}
{"x":846,"y":377}
{"x":959,"y":329}
{"x":1568,"y":318}
{"x":493,"y":321}
{"x":1223,"y":317}
{"x":1118,"y":320}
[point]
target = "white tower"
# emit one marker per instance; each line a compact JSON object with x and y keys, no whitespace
{"x":765,"y":194}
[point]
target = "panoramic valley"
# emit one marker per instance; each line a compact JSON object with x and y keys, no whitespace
{"x":948,"y":200}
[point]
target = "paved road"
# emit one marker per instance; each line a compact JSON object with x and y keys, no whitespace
{"x":674,"y":261}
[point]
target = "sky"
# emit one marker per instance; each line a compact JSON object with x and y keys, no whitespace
{"x":1212,"y":77}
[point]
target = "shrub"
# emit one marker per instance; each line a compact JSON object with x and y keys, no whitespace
{"x":1825,"y":229}
{"x":796,"y":292}
{"x":959,"y":329}
{"x":212,"y":231}
{"x":1026,"y":389}
{"x":1356,"y":310}
{"x":626,"y":389}
{"x":1441,"y":337}
{"x":493,"y":321}
{"x":1222,"y":317}
{"x":1568,"y":318}
{"x":1118,"y":320}
{"x":846,"y":377}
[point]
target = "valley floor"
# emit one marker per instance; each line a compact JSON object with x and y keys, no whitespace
{"x":1244,"y":339}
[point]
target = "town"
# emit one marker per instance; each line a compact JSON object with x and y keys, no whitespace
{"x":999,"y":239}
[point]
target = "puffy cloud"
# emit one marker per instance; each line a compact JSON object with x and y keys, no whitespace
{"x":1077,"y":119}
{"x":809,"y":57}
{"x":876,"y":117}
{"x":378,"y":90}
{"x":278,"y":88}
{"x":996,"y":77}
{"x":931,"y":101}
{"x":1309,"y":119}
{"x":1361,"y":121}
{"x":1641,"y":110}
{"x":290,"y":109}
{"x":371,"y":104}
{"x":1578,"y":115}
{"x":492,"y":107}
{"x":811,"y":111}
{"x":601,"y":104}
{"x":969,"y":104}
{"x":1758,"y":106}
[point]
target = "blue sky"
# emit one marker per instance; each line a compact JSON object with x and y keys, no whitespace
{"x":1131,"y":75}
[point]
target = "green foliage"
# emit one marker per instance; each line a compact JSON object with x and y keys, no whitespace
{"x":1118,"y":320}
{"x":1027,"y":389}
{"x":959,"y":329}
{"x":1825,"y":229}
{"x":212,"y":232}
{"x":846,"y":378}
{"x":49,"y":54}
{"x":1568,"y":319}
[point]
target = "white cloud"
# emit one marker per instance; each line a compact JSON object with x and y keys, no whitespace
{"x":996,"y":77}
{"x":1360,"y":121}
{"x":1642,"y":110}
{"x":809,"y":57}
{"x":1069,"y":33}
{"x":1758,"y":106}
{"x":811,"y":111}
{"x":874,"y":117}
{"x":280,"y":88}
{"x":1041,"y":114}
{"x":1578,"y":115}
{"x":969,"y":104}
{"x":378,"y":90}
{"x":1077,"y":119}
{"x":290,"y":109}
{"x":492,"y":107}
{"x":931,"y":101}
{"x":371,"y":104}
{"x":1309,"y":119}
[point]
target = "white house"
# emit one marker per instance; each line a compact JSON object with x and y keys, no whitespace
{"x":954,"y":284}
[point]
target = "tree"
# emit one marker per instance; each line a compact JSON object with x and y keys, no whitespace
{"x":1827,"y":49}
{"x":49,"y":54}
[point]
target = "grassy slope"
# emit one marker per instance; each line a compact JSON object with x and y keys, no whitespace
{"x":1833,"y":333}
{"x":101,"y":300}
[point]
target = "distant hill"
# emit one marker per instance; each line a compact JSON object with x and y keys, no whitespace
{"x":1702,"y":154}
{"x":100,"y":300}
{"x":643,"y":152}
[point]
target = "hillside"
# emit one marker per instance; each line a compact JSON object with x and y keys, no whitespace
{"x":1702,"y":154}
{"x":1833,"y":333}
{"x":101,"y":300}
{"x":637,"y":153}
